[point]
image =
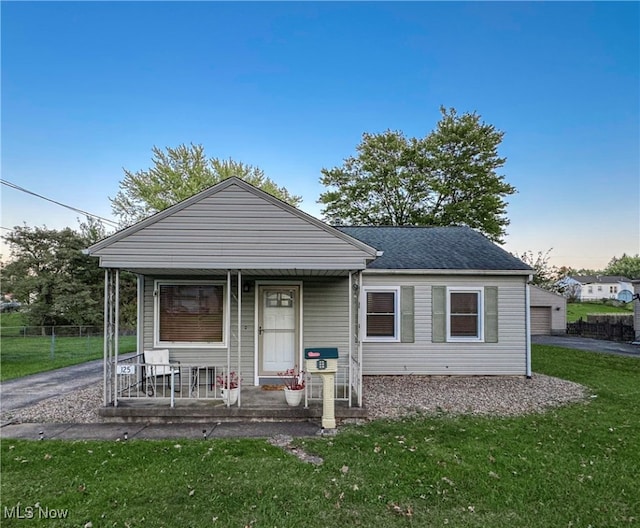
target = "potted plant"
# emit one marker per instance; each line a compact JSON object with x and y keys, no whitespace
{"x":293,"y":380}
{"x":228,"y":387}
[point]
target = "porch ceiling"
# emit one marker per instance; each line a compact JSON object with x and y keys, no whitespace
{"x":173,"y":272}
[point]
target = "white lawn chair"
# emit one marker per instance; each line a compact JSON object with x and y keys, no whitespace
{"x":158,"y":367}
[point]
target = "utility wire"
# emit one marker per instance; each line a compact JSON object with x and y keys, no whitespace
{"x":85,"y":213}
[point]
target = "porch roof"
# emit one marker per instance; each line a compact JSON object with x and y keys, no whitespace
{"x":248,"y":273}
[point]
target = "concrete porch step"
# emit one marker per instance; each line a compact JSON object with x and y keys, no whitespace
{"x":203,"y":412}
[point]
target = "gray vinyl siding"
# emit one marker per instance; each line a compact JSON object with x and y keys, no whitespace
{"x":216,"y":356}
{"x":326,"y":315}
{"x":506,"y":357}
{"x":325,"y":323}
{"x":233,"y":229}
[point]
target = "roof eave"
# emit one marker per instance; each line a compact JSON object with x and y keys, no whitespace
{"x":392,"y":271}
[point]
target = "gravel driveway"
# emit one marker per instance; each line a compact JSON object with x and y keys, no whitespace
{"x":590,"y":345}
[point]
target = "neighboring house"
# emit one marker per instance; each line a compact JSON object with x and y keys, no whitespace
{"x":597,"y":287}
{"x":548,"y":312}
{"x":237,"y":278}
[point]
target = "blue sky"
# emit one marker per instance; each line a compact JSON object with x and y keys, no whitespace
{"x":89,"y":88}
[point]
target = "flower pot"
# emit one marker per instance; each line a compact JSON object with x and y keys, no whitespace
{"x":229,"y":396}
{"x":293,"y":397}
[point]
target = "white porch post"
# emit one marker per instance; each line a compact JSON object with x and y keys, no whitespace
{"x":359,"y":341}
{"x":140,"y":316}
{"x":105,"y":341}
{"x":350,"y":369}
{"x":116,"y":335}
{"x":239,"y":339}
{"x":527,"y":322}
{"x":228,"y":331}
{"x":111,"y":316}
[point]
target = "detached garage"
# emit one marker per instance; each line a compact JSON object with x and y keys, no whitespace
{"x":548,"y":312}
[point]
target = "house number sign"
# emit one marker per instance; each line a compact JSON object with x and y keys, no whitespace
{"x":321,"y":364}
{"x":125,"y":370}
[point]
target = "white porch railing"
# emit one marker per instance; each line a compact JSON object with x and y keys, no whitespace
{"x":135,"y":379}
{"x":341,"y":385}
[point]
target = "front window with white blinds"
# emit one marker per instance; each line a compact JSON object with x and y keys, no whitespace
{"x":190,"y":313}
{"x":381,"y":317}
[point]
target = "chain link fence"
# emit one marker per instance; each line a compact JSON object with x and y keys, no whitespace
{"x":28,"y":349}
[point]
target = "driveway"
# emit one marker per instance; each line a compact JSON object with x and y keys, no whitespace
{"x":591,"y":345}
{"x":21,"y":392}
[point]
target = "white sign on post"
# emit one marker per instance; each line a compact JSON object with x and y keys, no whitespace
{"x":126,"y":369}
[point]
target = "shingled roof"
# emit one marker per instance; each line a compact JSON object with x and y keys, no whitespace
{"x":434,"y":248}
{"x":599,"y":279}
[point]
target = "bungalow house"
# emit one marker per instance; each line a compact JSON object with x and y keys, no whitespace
{"x":234,"y":279}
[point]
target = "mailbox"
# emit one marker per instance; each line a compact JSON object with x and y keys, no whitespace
{"x":324,"y":362}
{"x":319,"y":360}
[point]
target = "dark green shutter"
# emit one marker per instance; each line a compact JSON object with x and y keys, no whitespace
{"x":491,"y":314}
{"x":407,"y":332}
{"x":438,"y":314}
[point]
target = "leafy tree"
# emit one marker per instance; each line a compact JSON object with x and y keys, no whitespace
{"x":545,"y":276}
{"x":447,"y":178}
{"x":625,"y":266}
{"x":179,"y":173}
{"x":59,"y":284}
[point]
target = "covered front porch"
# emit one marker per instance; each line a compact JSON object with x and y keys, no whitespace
{"x":310,"y":308}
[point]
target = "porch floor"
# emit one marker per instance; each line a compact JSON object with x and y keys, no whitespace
{"x":257,"y":404}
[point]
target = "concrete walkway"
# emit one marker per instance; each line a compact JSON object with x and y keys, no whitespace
{"x":141,"y":431}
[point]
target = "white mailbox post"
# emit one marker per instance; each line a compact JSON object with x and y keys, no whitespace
{"x":324,"y":361}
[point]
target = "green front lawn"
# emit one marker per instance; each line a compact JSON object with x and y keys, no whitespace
{"x":574,"y":466}
{"x":579,"y":310}
{"x":22,"y":353}
{"x":21,"y":356}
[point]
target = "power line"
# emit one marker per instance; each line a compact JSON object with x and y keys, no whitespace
{"x":85,"y":213}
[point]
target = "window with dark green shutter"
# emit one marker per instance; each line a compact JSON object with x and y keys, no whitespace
{"x":464,"y":314}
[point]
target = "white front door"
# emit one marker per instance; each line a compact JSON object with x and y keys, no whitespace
{"x":278,"y":336}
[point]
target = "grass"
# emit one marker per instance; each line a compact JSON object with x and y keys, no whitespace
{"x":23,"y":355}
{"x":579,"y":310}
{"x":573,"y":466}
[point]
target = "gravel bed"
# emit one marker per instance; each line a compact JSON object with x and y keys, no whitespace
{"x":384,"y":397}
{"x":79,"y":406}
{"x":395,"y":396}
